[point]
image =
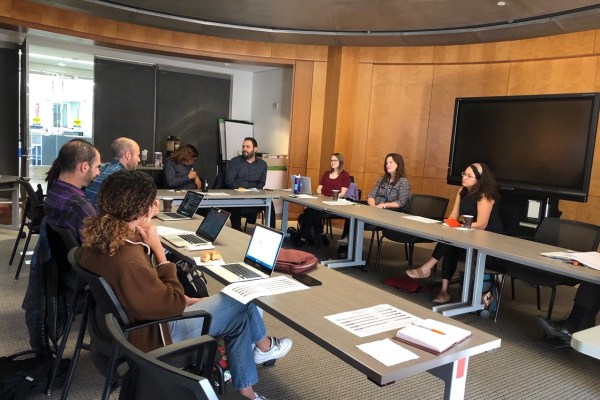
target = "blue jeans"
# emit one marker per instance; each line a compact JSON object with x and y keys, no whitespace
{"x":240,"y":325}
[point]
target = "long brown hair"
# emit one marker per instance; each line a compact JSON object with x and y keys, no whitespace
{"x":340,"y":157}
{"x":400,"y":171}
{"x":124,"y":196}
{"x":184,"y":153}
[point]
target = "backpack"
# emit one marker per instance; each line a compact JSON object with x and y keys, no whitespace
{"x":24,"y":373}
{"x":192,"y":279}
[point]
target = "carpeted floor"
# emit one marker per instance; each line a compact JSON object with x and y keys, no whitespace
{"x":520,"y":369}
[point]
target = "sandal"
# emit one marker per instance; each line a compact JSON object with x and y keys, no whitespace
{"x":442,"y":297}
{"x":417,"y":273}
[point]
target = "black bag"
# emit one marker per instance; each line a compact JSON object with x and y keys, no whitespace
{"x":192,"y":279}
{"x":23,"y":373}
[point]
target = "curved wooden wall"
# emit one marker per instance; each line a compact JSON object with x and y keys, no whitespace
{"x":368,"y":101}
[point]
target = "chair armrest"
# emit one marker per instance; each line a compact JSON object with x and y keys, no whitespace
{"x":183,"y":347}
{"x":185,"y":315}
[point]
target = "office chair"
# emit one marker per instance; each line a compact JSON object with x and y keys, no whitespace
{"x":568,"y":234}
{"x":32,"y":218}
{"x":423,"y":205}
{"x":101,"y":300}
{"x":152,"y":376}
{"x":60,"y":240}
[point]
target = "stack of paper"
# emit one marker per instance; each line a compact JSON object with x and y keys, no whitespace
{"x":431,"y":335}
{"x":590,"y":259}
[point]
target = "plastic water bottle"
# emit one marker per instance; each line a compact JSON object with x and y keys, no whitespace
{"x":205,"y":186}
{"x":296,"y":184}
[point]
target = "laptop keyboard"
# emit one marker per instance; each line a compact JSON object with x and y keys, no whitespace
{"x":174,"y":215}
{"x":241,"y":271}
{"x":194,"y":239}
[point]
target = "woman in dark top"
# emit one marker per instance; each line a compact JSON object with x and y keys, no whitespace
{"x":478,"y":197}
{"x":178,"y":172}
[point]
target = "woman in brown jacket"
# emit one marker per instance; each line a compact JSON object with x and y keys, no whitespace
{"x":122,"y":246}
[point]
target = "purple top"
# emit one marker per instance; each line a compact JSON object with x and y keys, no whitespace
{"x":66,"y":207}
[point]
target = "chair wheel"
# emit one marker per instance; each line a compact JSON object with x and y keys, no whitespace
{"x":269,"y":363}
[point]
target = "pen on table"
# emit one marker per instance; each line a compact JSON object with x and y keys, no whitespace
{"x":431,"y":329}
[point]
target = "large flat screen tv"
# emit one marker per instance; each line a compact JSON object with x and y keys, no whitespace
{"x":542,"y":144}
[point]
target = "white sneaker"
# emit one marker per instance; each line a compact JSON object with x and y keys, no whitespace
{"x":279,"y":348}
{"x":259,"y":397}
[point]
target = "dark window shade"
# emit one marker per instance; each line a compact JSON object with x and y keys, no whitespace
{"x":188,"y":106}
{"x":124,"y":104}
{"x":9,"y":111}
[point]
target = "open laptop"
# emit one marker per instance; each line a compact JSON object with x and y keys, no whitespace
{"x":206,"y":233}
{"x":260,"y":258}
{"x":186,"y":209}
{"x":305,"y":184}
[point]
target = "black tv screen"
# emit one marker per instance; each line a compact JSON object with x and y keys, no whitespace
{"x":541,"y":144}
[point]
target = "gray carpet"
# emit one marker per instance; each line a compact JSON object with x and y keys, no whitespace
{"x":520,"y":369}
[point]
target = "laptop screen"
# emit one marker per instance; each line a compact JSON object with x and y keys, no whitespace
{"x":212,"y":224}
{"x":263,"y":248}
{"x":190,"y":204}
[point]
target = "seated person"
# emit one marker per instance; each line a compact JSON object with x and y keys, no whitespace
{"x":478,"y":197}
{"x":122,"y":246}
{"x":178,"y":171}
{"x":392,"y":190}
{"x":583,"y":314}
{"x":247,"y":172}
{"x":311,"y":227}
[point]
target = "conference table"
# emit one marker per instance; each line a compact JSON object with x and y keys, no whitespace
{"x":227,"y":198}
{"x":305,"y":310}
{"x":477,"y":244}
{"x":9,"y":183}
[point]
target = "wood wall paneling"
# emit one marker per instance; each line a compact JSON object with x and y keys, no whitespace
{"x":300,"y":113}
{"x":317,"y":109}
{"x":332,"y":95}
{"x":399,"y":115}
{"x":570,"y":75}
{"x":567,"y":45}
{"x":396,"y":55}
{"x":361,"y":116}
{"x":450,"y":82}
{"x":299,"y":52}
{"x":471,"y":53}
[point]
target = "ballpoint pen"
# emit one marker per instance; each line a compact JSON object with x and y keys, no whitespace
{"x":431,"y":329}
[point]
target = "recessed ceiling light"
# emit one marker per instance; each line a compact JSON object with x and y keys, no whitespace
{"x":501,"y":3}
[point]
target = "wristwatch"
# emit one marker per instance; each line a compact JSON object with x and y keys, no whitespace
{"x":383,"y":205}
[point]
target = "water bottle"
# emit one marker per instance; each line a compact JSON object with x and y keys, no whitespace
{"x":205,"y":185}
{"x":296,"y":184}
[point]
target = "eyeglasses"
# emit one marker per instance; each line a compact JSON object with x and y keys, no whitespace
{"x":334,"y":160}
{"x":465,"y":175}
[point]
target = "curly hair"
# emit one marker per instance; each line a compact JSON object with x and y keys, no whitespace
{"x":485,"y":186}
{"x":400,"y":171}
{"x":124,"y":196}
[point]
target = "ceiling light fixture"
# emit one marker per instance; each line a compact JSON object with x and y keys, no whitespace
{"x":501,"y":3}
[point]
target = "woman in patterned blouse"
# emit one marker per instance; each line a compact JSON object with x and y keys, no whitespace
{"x":392,"y":190}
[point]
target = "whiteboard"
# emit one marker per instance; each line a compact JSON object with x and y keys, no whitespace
{"x":232,"y":134}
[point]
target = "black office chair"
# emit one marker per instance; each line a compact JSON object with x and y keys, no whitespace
{"x":101,"y":300}
{"x":568,"y":234}
{"x":152,"y":376}
{"x":32,"y":219}
{"x":422,"y":205}
{"x":61,"y":241}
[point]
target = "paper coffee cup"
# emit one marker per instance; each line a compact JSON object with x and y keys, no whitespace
{"x":167,"y":204}
{"x":467,"y":221}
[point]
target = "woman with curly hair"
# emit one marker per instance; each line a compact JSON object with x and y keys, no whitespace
{"x":478,"y":197}
{"x":392,"y":190}
{"x":123,"y":247}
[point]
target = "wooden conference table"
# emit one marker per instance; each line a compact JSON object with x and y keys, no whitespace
{"x":475,"y":242}
{"x":8,"y":183}
{"x":305,"y":311}
{"x":226,"y":198}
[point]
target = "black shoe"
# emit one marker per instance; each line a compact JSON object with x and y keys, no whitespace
{"x":558,"y":329}
{"x":324,"y":239}
{"x":553,"y":343}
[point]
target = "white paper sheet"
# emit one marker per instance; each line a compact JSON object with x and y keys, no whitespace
{"x":422,"y":219}
{"x":165,"y":230}
{"x":216,"y":194}
{"x":388,"y":352}
{"x":340,"y":202}
{"x":246,"y":291}
{"x":303,"y":196}
{"x":373,"y":320}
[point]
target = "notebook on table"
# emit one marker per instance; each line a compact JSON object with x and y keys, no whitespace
{"x":186,"y":209}
{"x":206,"y":233}
{"x":260,"y":258}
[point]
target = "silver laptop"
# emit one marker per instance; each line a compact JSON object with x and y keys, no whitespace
{"x":260,"y":258}
{"x":206,"y":233}
{"x":186,"y":209}
{"x":305,"y":184}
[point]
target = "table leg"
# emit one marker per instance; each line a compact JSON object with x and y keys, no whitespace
{"x":454,"y":376}
{"x":284,"y":217}
{"x":355,"y":242}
